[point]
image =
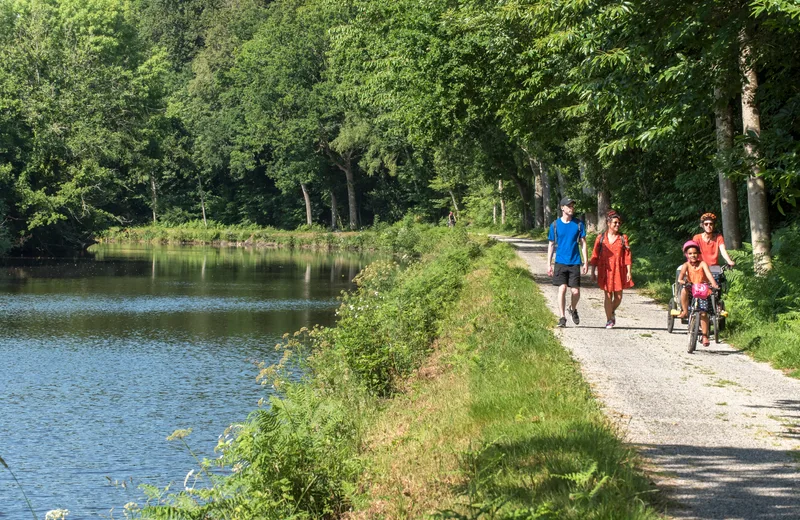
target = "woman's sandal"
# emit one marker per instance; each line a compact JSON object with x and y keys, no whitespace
{"x":706,"y":342}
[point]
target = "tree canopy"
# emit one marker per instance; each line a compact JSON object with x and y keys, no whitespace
{"x":292,"y":112}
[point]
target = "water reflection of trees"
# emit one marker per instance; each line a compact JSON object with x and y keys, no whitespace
{"x":114,"y":260}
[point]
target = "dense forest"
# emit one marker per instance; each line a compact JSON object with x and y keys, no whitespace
{"x":343,"y":113}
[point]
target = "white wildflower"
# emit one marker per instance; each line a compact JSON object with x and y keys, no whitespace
{"x":188,"y":475}
{"x":56,"y":514}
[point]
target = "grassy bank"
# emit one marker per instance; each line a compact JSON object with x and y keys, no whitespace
{"x":498,"y":423}
{"x":764,"y":311}
{"x":398,"y":237}
{"x":441,"y":391}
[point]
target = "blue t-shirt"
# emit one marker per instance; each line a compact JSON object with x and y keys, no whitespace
{"x":567,"y":250}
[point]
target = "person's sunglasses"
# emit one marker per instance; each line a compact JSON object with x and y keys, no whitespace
{"x":708,"y":224}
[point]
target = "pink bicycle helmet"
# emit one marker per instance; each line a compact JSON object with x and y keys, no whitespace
{"x":690,"y":243}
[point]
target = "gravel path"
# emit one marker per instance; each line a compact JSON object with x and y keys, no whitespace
{"x":721,"y":431}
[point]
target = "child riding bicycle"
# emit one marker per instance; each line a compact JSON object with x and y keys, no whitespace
{"x":695,"y":272}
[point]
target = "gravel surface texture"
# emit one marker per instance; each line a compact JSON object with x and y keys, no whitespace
{"x":720,"y":431}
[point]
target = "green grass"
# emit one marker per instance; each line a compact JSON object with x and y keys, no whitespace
{"x":402,"y":237}
{"x":509,"y":429}
{"x":546,"y":445}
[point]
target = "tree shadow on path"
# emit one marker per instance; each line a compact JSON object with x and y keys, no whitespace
{"x":728,"y":483}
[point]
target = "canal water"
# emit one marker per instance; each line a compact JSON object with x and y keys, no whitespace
{"x":103,"y":357}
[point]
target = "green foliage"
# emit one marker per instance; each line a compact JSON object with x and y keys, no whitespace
{"x":384,"y":334}
{"x":121,"y":113}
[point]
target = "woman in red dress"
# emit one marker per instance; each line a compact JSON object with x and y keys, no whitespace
{"x":611,"y":266}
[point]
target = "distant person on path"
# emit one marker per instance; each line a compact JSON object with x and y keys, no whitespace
{"x":565,"y":236}
{"x":694,"y":271}
{"x":712,"y":245}
{"x":611,"y":259}
{"x":451,"y":219}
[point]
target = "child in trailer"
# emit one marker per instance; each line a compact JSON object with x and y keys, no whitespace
{"x":694,"y":271}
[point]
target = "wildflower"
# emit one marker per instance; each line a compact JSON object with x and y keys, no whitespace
{"x":186,"y":480}
{"x":179,"y":434}
{"x":56,"y":514}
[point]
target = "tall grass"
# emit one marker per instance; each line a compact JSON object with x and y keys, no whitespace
{"x":21,"y":489}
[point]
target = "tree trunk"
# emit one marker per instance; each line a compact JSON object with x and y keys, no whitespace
{"x":756,"y":191}
{"x":525,"y":197}
{"x":502,"y":203}
{"x":345,"y":163}
{"x":453,"y":198}
{"x":538,"y":195}
{"x":154,"y":198}
{"x":590,"y":218}
{"x":351,"y":192}
{"x":728,"y":194}
{"x":562,"y":187}
{"x":334,"y":211}
{"x":202,"y":200}
{"x":546,"y":214}
{"x":603,"y":207}
{"x":308,"y":203}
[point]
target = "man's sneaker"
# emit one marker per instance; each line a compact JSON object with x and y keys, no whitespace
{"x":562,"y":322}
{"x":575,"y":318}
{"x":610,"y":324}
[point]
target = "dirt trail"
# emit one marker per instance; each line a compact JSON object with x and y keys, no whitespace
{"x":721,"y":430}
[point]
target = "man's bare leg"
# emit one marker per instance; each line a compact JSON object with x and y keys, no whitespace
{"x":562,"y":299}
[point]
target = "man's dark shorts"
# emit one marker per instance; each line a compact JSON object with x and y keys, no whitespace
{"x":567,"y":274}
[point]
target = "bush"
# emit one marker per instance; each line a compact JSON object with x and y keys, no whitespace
{"x":385,"y":327}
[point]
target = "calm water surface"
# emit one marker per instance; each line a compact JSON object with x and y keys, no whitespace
{"x":102,"y":358}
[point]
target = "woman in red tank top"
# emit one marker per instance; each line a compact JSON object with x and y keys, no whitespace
{"x":712,"y":245}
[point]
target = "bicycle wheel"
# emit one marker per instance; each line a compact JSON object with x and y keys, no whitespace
{"x":715,"y":320}
{"x":694,"y":328}
{"x":670,"y":317}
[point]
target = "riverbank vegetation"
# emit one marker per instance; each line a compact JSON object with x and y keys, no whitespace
{"x":399,"y":237}
{"x":441,"y":391}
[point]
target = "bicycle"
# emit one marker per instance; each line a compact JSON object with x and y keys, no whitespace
{"x":704,"y":301}
{"x":674,"y":306}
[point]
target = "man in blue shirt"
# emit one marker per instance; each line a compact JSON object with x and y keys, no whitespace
{"x":565,"y":235}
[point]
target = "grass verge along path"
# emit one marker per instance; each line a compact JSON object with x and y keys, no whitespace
{"x":499,"y":423}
